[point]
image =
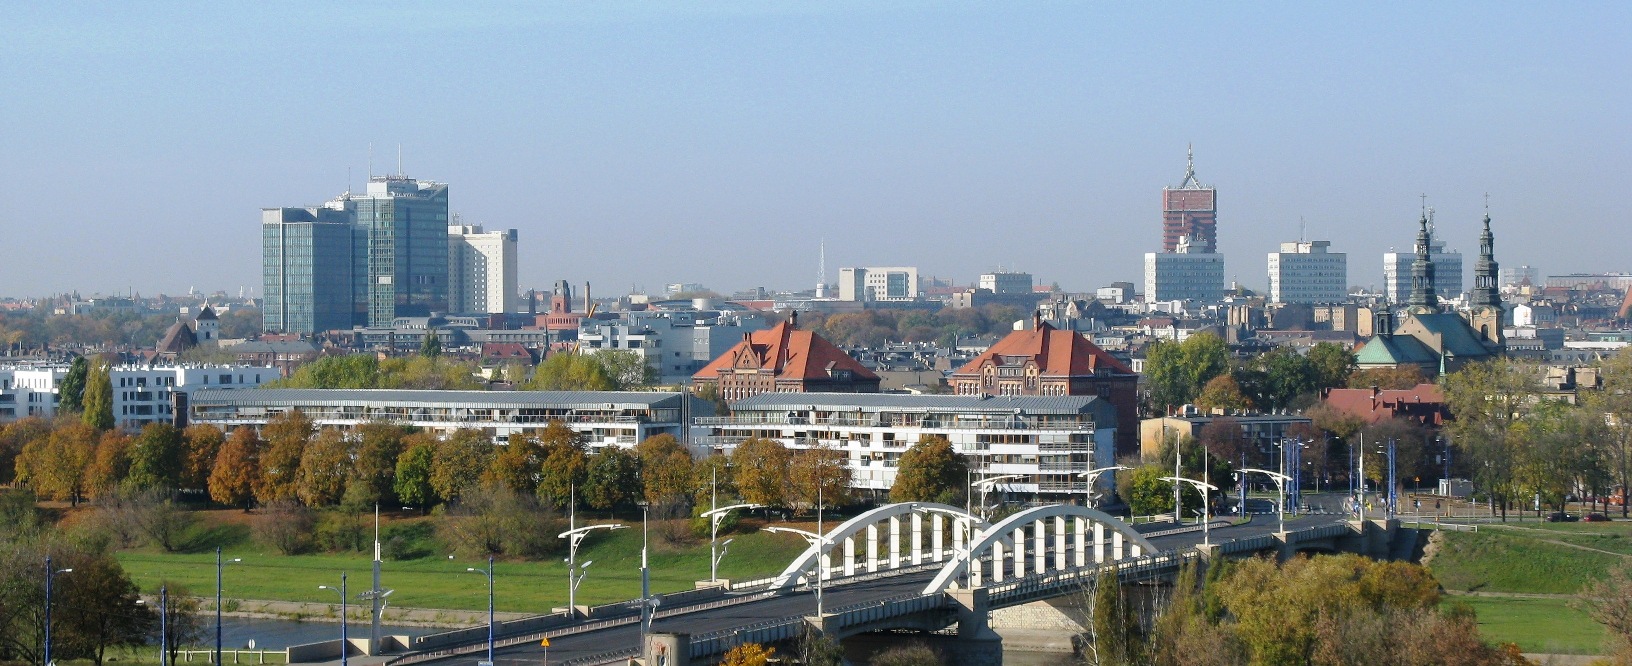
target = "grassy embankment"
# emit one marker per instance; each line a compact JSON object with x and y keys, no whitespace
{"x":434,"y":581}
{"x":1500,"y":565}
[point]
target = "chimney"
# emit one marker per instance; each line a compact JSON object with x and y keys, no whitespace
{"x":587,"y":299}
{"x":793,"y":319}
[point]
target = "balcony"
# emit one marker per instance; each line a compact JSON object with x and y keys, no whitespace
{"x":928,"y":422}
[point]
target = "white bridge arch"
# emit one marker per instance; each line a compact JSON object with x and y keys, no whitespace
{"x":893,"y":547}
{"x":1006,"y":543}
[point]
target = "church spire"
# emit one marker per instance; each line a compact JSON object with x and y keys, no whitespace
{"x":1485,"y":292}
{"x":1423,"y":299}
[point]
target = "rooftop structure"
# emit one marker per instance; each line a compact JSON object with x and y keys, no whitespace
{"x":784,"y":359}
{"x":1190,"y":211}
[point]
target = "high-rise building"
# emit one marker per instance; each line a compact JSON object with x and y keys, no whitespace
{"x":481,"y":270}
{"x":1447,"y":270}
{"x":892,"y":283}
{"x":1190,"y":211}
{"x":1307,"y":272}
{"x":1186,"y":274}
{"x":306,"y":272}
{"x":1006,"y":284}
{"x":400,"y":249}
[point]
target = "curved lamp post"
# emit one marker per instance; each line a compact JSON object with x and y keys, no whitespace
{"x":1280,"y":487}
{"x":219,"y":564}
{"x":576,"y":573}
{"x":1093,"y":475}
{"x":716,"y":516}
{"x":985,"y":486}
{"x":345,"y":638}
{"x":821,"y":566}
{"x":1206,"y":508}
{"x":488,"y":572}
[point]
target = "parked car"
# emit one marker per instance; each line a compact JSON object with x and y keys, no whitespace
{"x":1561,"y":517}
{"x":1595,"y":518}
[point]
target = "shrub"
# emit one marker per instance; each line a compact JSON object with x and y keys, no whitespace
{"x":285,"y":525}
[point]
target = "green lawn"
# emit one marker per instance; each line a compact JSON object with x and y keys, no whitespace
{"x":1536,"y":625}
{"x":436,"y":582}
{"x":1497,"y":560}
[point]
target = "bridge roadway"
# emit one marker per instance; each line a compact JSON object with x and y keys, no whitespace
{"x":581,"y":647}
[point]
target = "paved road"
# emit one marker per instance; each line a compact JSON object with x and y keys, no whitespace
{"x":804,"y":603}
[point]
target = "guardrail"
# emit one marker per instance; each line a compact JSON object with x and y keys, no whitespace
{"x":1434,"y":524}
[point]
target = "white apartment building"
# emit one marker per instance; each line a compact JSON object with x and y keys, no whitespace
{"x":1046,"y":440}
{"x":1006,"y":283}
{"x":606,"y":418}
{"x":1184,"y":275}
{"x":1447,"y":273}
{"x":1308,"y":272}
{"x":879,"y":283}
{"x":677,"y":343}
{"x":482,"y":271}
{"x":141,"y":394}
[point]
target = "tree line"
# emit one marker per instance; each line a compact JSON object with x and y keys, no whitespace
{"x":1201,"y":371}
{"x":604,"y":370}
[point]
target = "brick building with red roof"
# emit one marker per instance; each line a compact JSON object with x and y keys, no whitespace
{"x":784,"y":359}
{"x":1423,"y":404}
{"x":1048,"y":361}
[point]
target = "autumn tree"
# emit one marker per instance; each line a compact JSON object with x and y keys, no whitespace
{"x":1396,"y":379}
{"x":565,"y":464}
{"x":611,"y":479}
{"x":157,"y":458}
{"x":1614,"y":402}
{"x":200,"y":443}
{"x":818,"y":477}
{"x":111,"y":464}
{"x":237,"y":469}
{"x":98,"y":399}
{"x":667,"y":472}
{"x":564,"y":371}
{"x":87,"y":623}
{"x":516,"y":465}
{"x":183,"y":623}
{"x":931,"y":471}
{"x":1486,"y":400}
{"x":286,"y":435}
{"x":1223,"y":393}
{"x":458,"y":461}
{"x":374,"y":464}
{"x":325,"y":465}
{"x":748,"y":654}
{"x":760,"y":471}
{"x":16,"y":436}
{"x":56,"y":466}
{"x":715,"y":479}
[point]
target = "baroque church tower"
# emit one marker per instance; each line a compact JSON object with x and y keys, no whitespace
{"x":1423,"y":299}
{"x":1485,"y":311}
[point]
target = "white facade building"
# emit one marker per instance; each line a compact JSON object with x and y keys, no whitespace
{"x":1006,"y":283}
{"x":1184,"y":276}
{"x":882,"y":283}
{"x":482,"y":271}
{"x":677,"y":343}
{"x":29,"y":391}
{"x":141,"y":394}
{"x":1447,"y":273}
{"x":606,"y":418}
{"x":1045,"y":440}
{"x":1307,"y":272}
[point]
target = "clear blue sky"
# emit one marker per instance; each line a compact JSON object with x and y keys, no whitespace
{"x":643,"y":143}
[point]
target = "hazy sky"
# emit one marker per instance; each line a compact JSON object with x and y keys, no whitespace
{"x":645,"y":143}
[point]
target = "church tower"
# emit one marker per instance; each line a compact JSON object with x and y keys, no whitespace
{"x":1423,"y":299}
{"x":1485,"y":313}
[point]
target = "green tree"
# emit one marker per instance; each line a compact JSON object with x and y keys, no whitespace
{"x":87,"y":622}
{"x":1486,"y":400}
{"x":1397,"y":379}
{"x":760,"y":471}
{"x":374,"y":466}
{"x":1176,"y":371}
{"x":570,"y":372}
{"x":931,"y":471}
{"x":72,"y":391}
{"x":356,"y":371}
{"x":1614,"y":402}
{"x":1148,"y":495}
{"x":413,"y":478}
{"x":237,"y":469}
{"x":611,"y":479}
{"x":1332,"y":365}
{"x":432,"y":345}
{"x":1281,"y":376}
{"x":157,"y":458}
{"x":1115,"y":626}
{"x":628,"y":369}
{"x":458,"y":462}
{"x":98,"y":397}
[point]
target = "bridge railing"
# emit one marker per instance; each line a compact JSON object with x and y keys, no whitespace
{"x":1133,"y":569}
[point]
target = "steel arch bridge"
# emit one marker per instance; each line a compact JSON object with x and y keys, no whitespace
{"x":1077,"y":532}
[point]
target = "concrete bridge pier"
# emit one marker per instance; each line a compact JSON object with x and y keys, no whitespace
{"x":666,"y":650}
{"x":977,"y":644}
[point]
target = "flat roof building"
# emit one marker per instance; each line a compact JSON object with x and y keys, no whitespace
{"x":1308,"y":272}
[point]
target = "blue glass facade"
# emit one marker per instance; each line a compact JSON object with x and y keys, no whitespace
{"x":306,"y":269}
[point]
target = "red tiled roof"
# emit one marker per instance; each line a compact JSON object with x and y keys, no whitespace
{"x":1383,"y":404}
{"x":791,"y":353}
{"x":1057,"y":353}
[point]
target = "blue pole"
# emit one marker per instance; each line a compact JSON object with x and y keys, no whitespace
{"x":1393,"y":497}
{"x":489,"y":609}
{"x":164,"y":629}
{"x":345,"y":638}
{"x":48,"y":572}
{"x":217,"y":606}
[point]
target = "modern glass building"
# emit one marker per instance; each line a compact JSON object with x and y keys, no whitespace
{"x":400,"y":249}
{"x":306,"y":269}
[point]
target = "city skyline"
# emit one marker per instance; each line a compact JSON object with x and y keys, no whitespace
{"x":625,"y":143}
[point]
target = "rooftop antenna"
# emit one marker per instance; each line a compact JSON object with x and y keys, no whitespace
{"x":1302,"y":226}
{"x":821,"y":270}
{"x":399,"y":160}
{"x":371,"y":160}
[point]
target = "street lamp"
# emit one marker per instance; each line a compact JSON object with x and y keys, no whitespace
{"x":1280,"y":487}
{"x":489,"y":574}
{"x":164,"y":628}
{"x":218,"y":565}
{"x":716,"y":516}
{"x":821,"y":567}
{"x":576,"y":572}
{"x":345,"y":638}
{"x":985,"y":485}
{"x":1093,"y":475}
{"x":1206,"y":509}
{"x":50,"y":574}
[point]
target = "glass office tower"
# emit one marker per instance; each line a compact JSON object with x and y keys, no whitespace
{"x":399,"y":250}
{"x":306,"y":269}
